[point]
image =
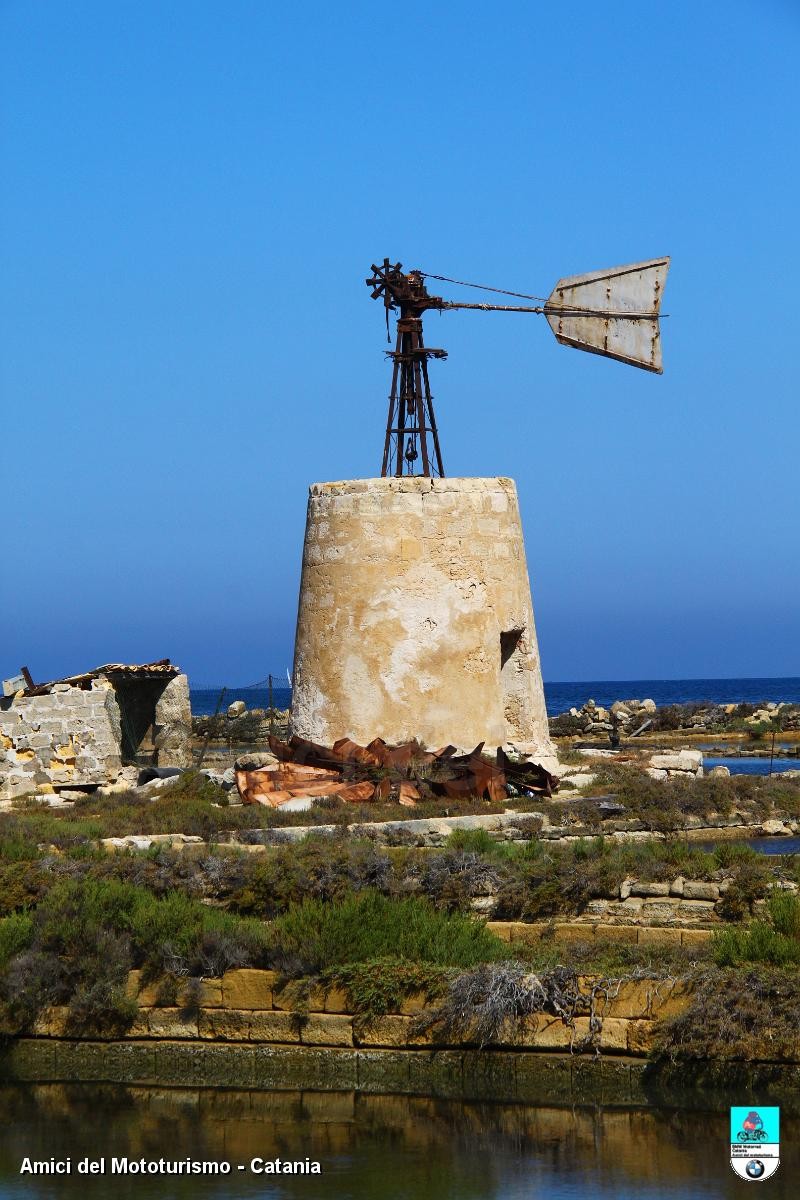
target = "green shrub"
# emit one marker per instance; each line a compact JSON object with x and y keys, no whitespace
{"x":314,"y":936}
{"x":16,"y":934}
{"x":379,"y":985}
{"x":316,"y":869}
{"x":474,"y":841}
{"x":750,"y":882}
{"x":784,"y":912}
{"x":730,"y":854}
{"x":776,"y":941}
{"x":77,"y":946}
{"x":20,"y":885}
{"x":16,"y":847}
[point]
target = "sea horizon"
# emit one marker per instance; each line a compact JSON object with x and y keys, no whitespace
{"x":561,"y":695}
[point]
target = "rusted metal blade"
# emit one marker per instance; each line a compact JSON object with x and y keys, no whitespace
{"x":526,"y":776}
{"x":612,"y":312}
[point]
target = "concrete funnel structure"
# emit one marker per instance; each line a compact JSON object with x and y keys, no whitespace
{"x":415,"y":617}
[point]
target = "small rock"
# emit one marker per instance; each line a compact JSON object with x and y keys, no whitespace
{"x":718,"y":772}
{"x":610,"y":808}
{"x":774,"y":828}
{"x":213,"y":776}
{"x":677,"y":886}
{"x":254,"y":762}
{"x":580,"y":779}
{"x":625,"y":889}
{"x":649,"y":889}
{"x":237,"y":709}
{"x":656,"y":773}
{"x":697,"y":890}
{"x":128,"y":776}
{"x":113,"y":789}
{"x":153,"y":787}
{"x":681,"y":760}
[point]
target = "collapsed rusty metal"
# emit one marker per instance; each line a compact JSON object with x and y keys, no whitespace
{"x":403,"y":774}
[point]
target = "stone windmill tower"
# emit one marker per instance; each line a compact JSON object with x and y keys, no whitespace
{"x":415,"y":616}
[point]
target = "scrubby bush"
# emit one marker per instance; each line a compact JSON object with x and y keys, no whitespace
{"x":483,"y":1004}
{"x":745,"y":1015}
{"x":16,"y":934}
{"x":21,"y":885}
{"x":749,"y":883}
{"x":566,"y":725}
{"x":379,"y":985}
{"x":473,"y":841}
{"x":77,"y":946}
{"x":315,"y":936}
{"x":316,"y":869}
{"x":775,"y":941}
{"x":452,"y":878}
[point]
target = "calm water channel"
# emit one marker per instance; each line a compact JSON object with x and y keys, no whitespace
{"x":370,"y":1147}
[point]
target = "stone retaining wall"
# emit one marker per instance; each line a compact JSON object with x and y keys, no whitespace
{"x":244,"y":1034}
{"x":526,"y":933}
{"x":248,"y":1006}
{"x":508,"y":826}
{"x":453,"y":1074}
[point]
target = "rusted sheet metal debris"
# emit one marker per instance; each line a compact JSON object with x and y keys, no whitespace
{"x":406,"y":774}
{"x":273,"y":786}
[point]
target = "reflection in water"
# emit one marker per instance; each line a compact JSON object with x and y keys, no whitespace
{"x":397,"y":1147}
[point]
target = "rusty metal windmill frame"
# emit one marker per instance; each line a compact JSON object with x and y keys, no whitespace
{"x":614,"y":313}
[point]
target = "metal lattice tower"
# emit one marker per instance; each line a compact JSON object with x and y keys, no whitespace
{"x":614,"y":313}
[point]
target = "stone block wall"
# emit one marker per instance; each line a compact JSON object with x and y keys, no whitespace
{"x":635,"y":934}
{"x":70,"y":736}
{"x":73,"y":736}
{"x":248,"y":1006}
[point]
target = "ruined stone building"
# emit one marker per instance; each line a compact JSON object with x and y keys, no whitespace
{"x":80,"y":731}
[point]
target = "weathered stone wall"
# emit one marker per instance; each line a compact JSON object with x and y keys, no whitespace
{"x":415,"y":616}
{"x":73,"y":736}
{"x":632,"y":932}
{"x":250,"y":1006}
{"x":69,"y":736}
{"x":173,"y":724}
{"x":245,"y":1033}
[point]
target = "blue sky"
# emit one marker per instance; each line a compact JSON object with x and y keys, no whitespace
{"x":193,"y":195}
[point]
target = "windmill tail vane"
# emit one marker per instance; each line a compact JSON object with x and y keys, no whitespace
{"x":614,"y":313}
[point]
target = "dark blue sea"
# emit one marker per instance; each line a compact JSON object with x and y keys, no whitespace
{"x":560,"y":697}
